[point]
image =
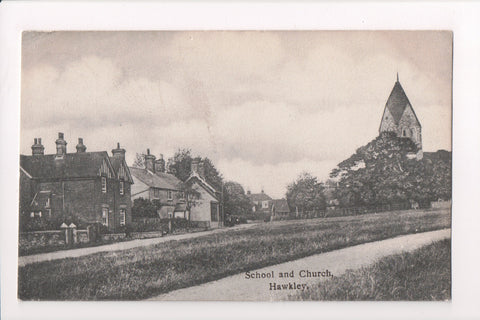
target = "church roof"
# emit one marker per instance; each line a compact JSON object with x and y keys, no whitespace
{"x":397,"y":102}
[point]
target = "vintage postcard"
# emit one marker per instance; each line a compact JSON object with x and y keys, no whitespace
{"x":235,"y":166}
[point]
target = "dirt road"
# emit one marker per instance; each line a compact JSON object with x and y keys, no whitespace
{"x":266,"y":284}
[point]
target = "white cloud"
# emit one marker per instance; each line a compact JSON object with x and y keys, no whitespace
{"x":265,"y":106}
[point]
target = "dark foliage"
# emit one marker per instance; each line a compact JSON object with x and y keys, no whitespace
{"x":381,"y":173}
{"x":235,"y":200}
{"x":306,"y":194}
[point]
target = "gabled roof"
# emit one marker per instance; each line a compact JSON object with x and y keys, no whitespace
{"x":259,"y":196}
{"x":397,"y":103}
{"x":280,"y":205}
{"x":159,"y":180}
{"x":73,"y":165}
{"x":117,"y":163}
{"x":204,"y":184}
{"x":40,"y":200}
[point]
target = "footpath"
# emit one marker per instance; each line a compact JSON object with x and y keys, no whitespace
{"x":266,"y":284}
{"x":73,"y":253}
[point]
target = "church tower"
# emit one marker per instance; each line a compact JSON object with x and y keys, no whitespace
{"x":400,"y":118}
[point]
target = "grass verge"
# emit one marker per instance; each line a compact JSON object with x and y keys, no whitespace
{"x":144,"y":272}
{"x":424,"y":274}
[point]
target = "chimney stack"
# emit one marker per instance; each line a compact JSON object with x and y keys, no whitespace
{"x":80,"y":146}
{"x":37,"y":148}
{"x":201,"y":169}
{"x":150,"y":161}
{"x":119,"y":152}
{"x":194,"y":166}
{"x":61,"y":145}
{"x":160,"y":164}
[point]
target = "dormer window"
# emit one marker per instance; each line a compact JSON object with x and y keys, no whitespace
{"x":104,"y":185}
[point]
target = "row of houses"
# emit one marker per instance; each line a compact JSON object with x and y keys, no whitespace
{"x":96,"y":187}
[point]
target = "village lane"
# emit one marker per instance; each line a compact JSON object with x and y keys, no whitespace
{"x":74,"y":253}
{"x":306,"y":271}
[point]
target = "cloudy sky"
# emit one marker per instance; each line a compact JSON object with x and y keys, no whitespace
{"x":264,"y":106}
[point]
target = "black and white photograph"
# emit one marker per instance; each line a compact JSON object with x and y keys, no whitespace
{"x":210,"y":160}
{"x":235,"y":165}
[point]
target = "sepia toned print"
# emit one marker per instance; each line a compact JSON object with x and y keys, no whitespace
{"x":235,"y":165}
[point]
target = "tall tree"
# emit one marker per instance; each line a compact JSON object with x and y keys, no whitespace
{"x":235,"y":200}
{"x":180,"y":165}
{"x":306,"y":193}
{"x":383,"y":172}
{"x":139,"y":161}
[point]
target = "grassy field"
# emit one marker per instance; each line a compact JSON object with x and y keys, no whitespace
{"x":424,"y":274}
{"x":148,"y":271}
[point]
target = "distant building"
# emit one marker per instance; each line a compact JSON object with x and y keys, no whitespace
{"x":399,"y":117}
{"x":261,"y":202}
{"x":279,"y":209}
{"x":90,"y":186}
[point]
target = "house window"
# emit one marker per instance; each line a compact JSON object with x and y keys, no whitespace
{"x":122,"y":217}
{"x":169,"y":195}
{"x":122,"y":188}
{"x":265,"y":204}
{"x":32,"y":214}
{"x":214,"y":211}
{"x":105,"y":216}
{"x":156,"y":193}
{"x":104,"y":184}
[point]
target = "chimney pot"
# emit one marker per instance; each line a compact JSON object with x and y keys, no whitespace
{"x":150,"y":161}
{"x":160,"y":164}
{"x":80,"y":146}
{"x":118,"y":145}
{"x":37,"y":148}
{"x":61,"y":145}
{"x":119,"y":152}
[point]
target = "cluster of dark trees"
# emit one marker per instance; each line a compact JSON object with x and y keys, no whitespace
{"x":235,"y":201}
{"x":382,"y":172}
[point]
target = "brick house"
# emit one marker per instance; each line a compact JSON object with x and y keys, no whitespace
{"x":92,"y":187}
{"x":153,"y":183}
